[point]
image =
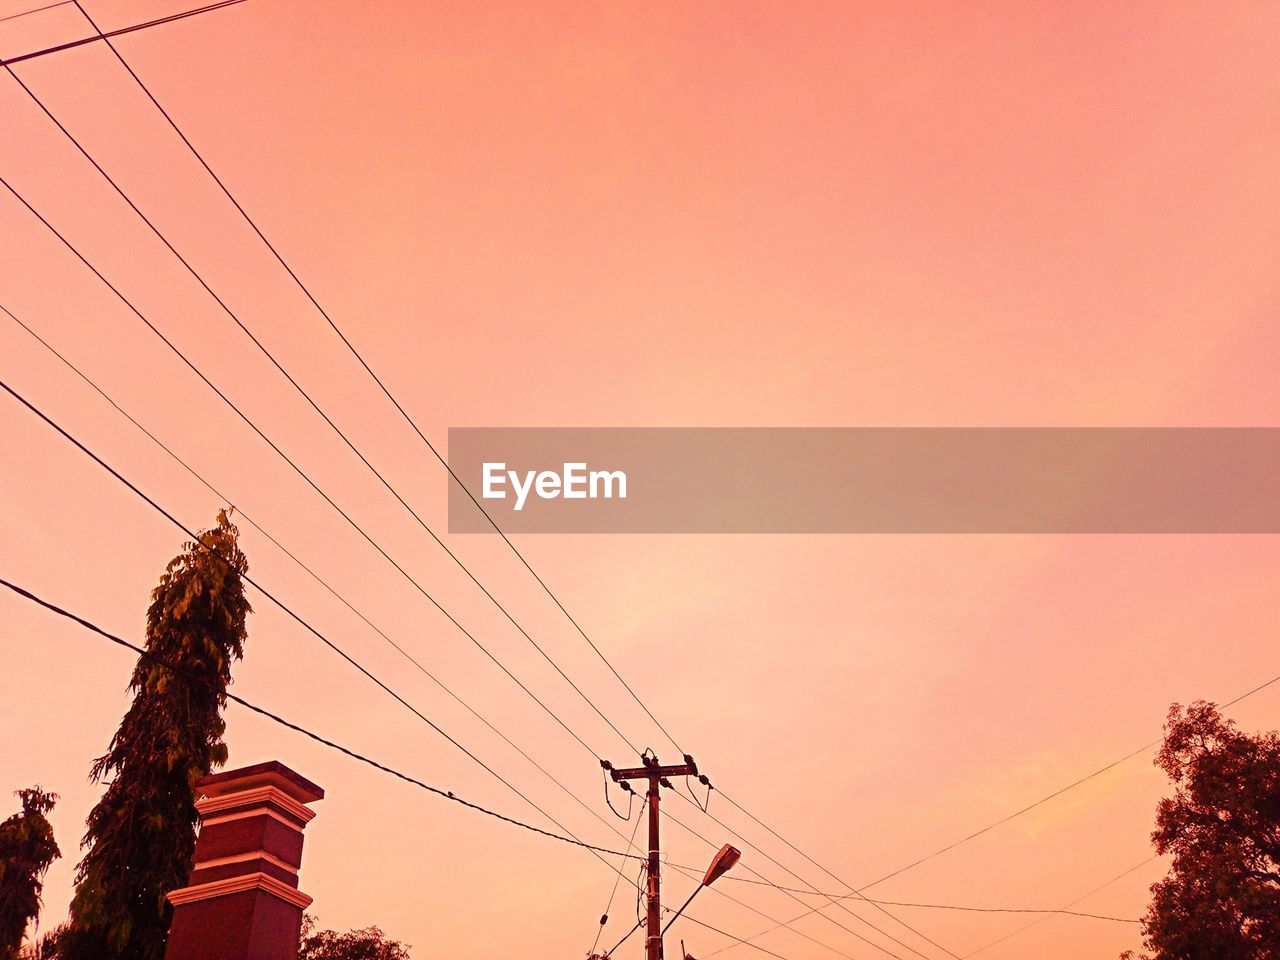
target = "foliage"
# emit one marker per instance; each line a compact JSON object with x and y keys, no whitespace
{"x":27,"y":848}
{"x":141,"y":834}
{"x":367,"y":944}
{"x":1221,"y":899}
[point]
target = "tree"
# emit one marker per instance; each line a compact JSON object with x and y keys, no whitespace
{"x":1221,"y":900}
{"x":27,"y":848}
{"x":367,"y":944}
{"x":141,"y":835}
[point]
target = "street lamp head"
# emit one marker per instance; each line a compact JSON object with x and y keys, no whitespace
{"x":724,"y":860}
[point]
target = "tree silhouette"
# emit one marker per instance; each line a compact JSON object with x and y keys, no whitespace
{"x":1221,"y":899}
{"x":27,"y":848}
{"x":367,"y":944}
{"x":141,"y":834}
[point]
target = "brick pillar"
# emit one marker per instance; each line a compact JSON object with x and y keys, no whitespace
{"x":242,"y":901}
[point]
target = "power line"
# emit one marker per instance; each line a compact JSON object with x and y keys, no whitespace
{"x":1146,"y":748}
{"x":1244,"y":696}
{"x":1063,"y":912}
{"x":310,"y":400}
{"x":604,"y":917}
{"x":369,"y":370}
{"x":788,"y":924}
{"x":1013,"y":816}
{"x":27,"y":13}
{"x":324,"y":741}
{"x":120,"y":32}
{"x":310,"y":572}
{"x":1085,"y":896}
{"x":243,"y":416}
{"x":104,"y":37}
{"x":386,"y":391}
{"x":738,"y":940}
{"x":195,"y":539}
{"x":691,"y":874}
{"x":831,"y":900}
{"x":403,"y":412}
{"x":251,"y":424}
{"x":839,"y":901}
{"x":932,"y":906}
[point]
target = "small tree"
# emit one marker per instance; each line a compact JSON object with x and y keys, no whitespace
{"x":367,"y":944}
{"x":27,"y":848}
{"x":141,"y":834}
{"x":1221,"y":899}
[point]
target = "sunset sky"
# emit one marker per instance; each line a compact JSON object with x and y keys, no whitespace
{"x":746,"y":214}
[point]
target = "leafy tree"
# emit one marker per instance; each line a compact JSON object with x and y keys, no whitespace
{"x":1221,"y":900}
{"x":141,"y":834}
{"x":367,"y":944}
{"x":27,"y":848}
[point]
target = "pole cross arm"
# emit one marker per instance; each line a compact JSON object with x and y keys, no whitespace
{"x":686,"y":769}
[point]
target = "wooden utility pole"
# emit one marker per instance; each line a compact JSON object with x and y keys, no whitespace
{"x":656,"y":775}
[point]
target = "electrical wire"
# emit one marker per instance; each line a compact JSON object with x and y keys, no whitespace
{"x":691,"y":874}
{"x":298,"y":619}
{"x":604,"y":917}
{"x":144,"y":496}
{"x":369,"y":370}
{"x":278,"y":603}
{"x":408,"y":418}
{"x":631,"y":796}
{"x":609,"y":953}
{"x":412,"y":423}
{"x":932,"y":906}
{"x":1085,"y":896}
{"x":738,"y":940}
{"x":832,"y":901}
{"x":297,"y":728}
{"x":1061,"y":912}
{"x":309,"y":571}
{"x":121,"y":31}
{"x":305,"y":395}
{"x":347,"y":517}
{"x":325,"y":416}
{"x":27,"y":13}
{"x":788,"y":924}
{"x":105,"y":36}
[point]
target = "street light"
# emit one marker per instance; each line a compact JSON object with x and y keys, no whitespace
{"x":720,"y":865}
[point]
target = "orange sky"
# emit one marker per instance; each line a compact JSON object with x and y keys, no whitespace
{"x":659,"y":214}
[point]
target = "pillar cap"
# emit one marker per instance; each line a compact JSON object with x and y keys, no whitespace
{"x":272,"y":773}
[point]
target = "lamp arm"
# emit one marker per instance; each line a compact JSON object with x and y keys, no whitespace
{"x":674,"y":916}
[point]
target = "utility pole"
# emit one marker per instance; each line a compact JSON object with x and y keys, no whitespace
{"x":656,"y":775}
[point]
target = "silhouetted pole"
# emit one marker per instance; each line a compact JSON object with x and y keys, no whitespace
{"x":656,"y":775}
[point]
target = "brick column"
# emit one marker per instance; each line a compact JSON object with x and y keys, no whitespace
{"x":242,"y":901}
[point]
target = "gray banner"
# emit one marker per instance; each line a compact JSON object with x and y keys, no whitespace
{"x":867,"y":480}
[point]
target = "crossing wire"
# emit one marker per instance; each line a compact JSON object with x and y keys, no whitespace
{"x":307,"y":396}
{"x":243,"y":416}
{"x":122,"y":31}
{"x":298,"y":728}
{"x":597,"y":851}
{"x":1084,"y":896}
{"x":311,"y":573}
{"x":195,"y":539}
{"x":787,"y":923}
{"x":358,"y":613}
{"x":369,"y":370}
{"x":831,"y":901}
{"x":382,"y":386}
{"x":105,"y":36}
